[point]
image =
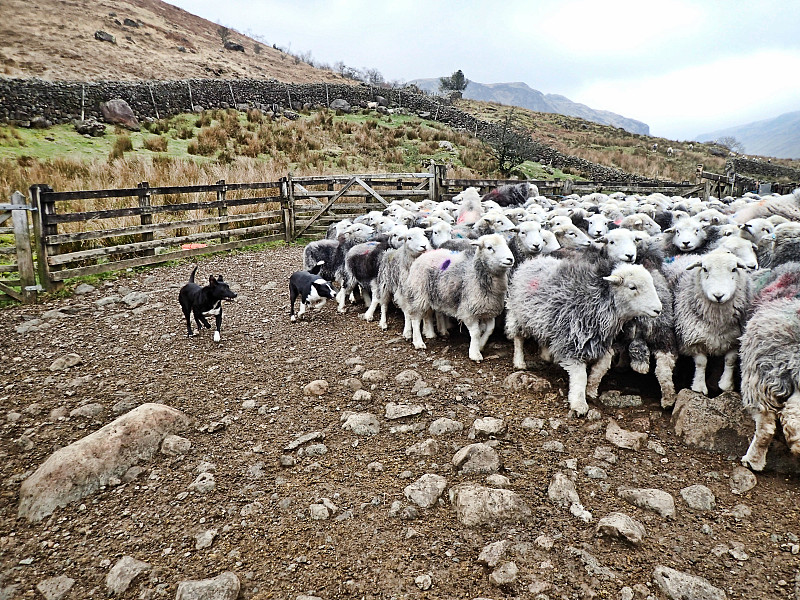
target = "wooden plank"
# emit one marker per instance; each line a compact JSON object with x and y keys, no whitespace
{"x":5,"y":216}
{"x":158,"y":208}
{"x":365,"y":194}
{"x":9,"y":268}
{"x":372,"y":192}
{"x":159,"y":258}
{"x":61,"y":259}
{"x":9,"y":291}
{"x":62,"y":238}
{"x":327,"y":206}
{"x":8,"y":250}
{"x":157,"y":191}
{"x":324,"y":179}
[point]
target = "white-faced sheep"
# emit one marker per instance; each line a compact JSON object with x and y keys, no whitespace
{"x":332,"y":252}
{"x":470,"y":208}
{"x":574,"y":309}
{"x":526,"y":242}
{"x":689,"y":235}
{"x":439,"y":233}
{"x":597,"y":225}
{"x":570,"y":237}
{"x":468,"y":287}
{"x":361,"y":269}
{"x":641,"y":222}
{"x":712,"y":301}
{"x":392,"y":271}
{"x":770,"y":363}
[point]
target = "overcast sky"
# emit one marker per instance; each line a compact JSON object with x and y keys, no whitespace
{"x":683,"y":67}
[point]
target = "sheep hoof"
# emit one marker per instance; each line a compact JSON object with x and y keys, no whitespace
{"x":476,"y":357}
{"x":521,"y":366}
{"x":755,"y":465}
{"x":667,"y":401}
{"x":700,"y":389}
{"x":578,"y":411}
{"x":592,"y":393}
{"x":420,"y":346}
{"x":640,"y":367}
{"x":341,"y":310}
{"x":383,"y":326}
{"x":366,"y":317}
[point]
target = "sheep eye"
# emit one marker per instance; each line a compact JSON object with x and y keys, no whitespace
{"x":704,"y":270}
{"x":633,"y":287}
{"x":733,"y":270}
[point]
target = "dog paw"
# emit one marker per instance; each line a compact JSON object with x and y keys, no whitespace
{"x":217,"y":336}
{"x":293,"y":318}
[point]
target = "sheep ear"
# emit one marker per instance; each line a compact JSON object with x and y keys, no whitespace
{"x":743,"y":226}
{"x":476,"y":242}
{"x":694,"y":265}
{"x":754,"y":245}
{"x":670,"y":230}
{"x":741,"y":265}
{"x":614,"y":279}
{"x":637,"y":222}
{"x":601,"y":240}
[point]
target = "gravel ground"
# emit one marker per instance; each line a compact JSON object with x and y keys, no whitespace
{"x":246,"y":396}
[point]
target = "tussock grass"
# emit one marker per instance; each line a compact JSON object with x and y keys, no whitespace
{"x":156,"y":143}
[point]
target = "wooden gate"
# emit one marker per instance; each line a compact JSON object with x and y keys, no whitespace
{"x":315,"y":202}
{"x":17,"y":275}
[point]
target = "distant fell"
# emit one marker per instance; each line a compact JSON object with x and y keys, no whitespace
{"x":778,"y":137}
{"x":522,"y":95}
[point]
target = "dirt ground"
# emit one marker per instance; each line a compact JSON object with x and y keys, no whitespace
{"x":252,"y":384}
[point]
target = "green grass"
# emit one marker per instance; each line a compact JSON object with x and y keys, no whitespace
{"x":537,"y":171}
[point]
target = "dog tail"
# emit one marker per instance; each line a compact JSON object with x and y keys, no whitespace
{"x":316,"y":268}
{"x":191,"y":277}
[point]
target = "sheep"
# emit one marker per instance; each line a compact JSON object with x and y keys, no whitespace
{"x":438,"y":233}
{"x":392,"y":270}
{"x":756,"y":229}
{"x":641,"y":222}
{"x":743,"y":249}
{"x":470,"y":209}
{"x":361,"y":268}
{"x":570,"y":237}
{"x":527,"y":242}
{"x":468,"y":287}
{"x":510,"y":195}
{"x":786,"y":246}
{"x":712,"y":301}
{"x":689,"y":235}
{"x":574,"y":309}
{"x":770,"y":364}
{"x":333,"y":252}
{"x":670,"y":151}
{"x":598,"y":225}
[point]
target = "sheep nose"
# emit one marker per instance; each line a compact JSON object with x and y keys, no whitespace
{"x":630,"y":257}
{"x":719,"y":297}
{"x":685,"y":244}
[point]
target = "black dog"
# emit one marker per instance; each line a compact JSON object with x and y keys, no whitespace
{"x":204,"y":302}
{"x":311,"y":288}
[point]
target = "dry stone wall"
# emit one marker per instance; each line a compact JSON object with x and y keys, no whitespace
{"x":27,"y":101}
{"x":762,"y":170}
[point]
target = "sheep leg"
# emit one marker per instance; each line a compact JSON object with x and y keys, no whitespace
{"x":373,"y":306}
{"x":577,"y":386}
{"x":599,"y":370}
{"x":545,"y":354}
{"x":665,"y":365}
{"x":699,"y":382}
{"x":366,"y":295}
{"x":474,"y":327}
{"x":443,"y":324}
{"x":487,"y":328}
{"x":416,"y":333}
{"x":756,"y":456}
{"x":427,"y":325}
{"x":519,"y":353}
{"x":790,"y":420}
{"x":341,"y":298}
{"x":726,"y":381}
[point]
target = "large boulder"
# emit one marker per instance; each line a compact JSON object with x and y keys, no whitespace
{"x":340,"y":104}
{"x":119,"y":112}
{"x":722,"y":425}
{"x":85,"y":466}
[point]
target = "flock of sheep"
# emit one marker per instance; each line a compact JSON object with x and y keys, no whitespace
{"x":640,"y":278}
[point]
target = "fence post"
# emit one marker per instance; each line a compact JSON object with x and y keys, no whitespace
{"x":290,"y":206}
{"x":223,"y":212}
{"x":41,"y":229}
{"x":287,"y":228}
{"x":27,"y":275}
{"x":146,"y":217}
{"x":433,"y":184}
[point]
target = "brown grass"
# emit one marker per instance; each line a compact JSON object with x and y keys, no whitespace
{"x":156,"y":143}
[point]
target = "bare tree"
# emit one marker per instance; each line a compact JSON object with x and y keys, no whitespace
{"x":373,"y":76}
{"x":224,"y":33}
{"x":731,"y":143}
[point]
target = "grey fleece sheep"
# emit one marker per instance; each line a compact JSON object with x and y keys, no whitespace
{"x":770,"y":355}
{"x":468,"y":287}
{"x":574,"y":309}
{"x":712,"y":302}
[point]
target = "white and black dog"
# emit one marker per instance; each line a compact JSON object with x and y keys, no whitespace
{"x":204,"y":302}
{"x":311,"y":288}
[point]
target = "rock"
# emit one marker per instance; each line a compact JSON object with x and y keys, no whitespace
{"x":84,"y":466}
{"x":562,"y":492}
{"x":476,"y":458}
{"x":614,"y":399}
{"x":55,"y":588}
{"x":204,"y":539}
{"x":341,"y":105}
{"x":606,"y":454}
{"x":407,"y":377}
{"x":318,"y":387}
{"x":123,"y":573}
{"x":90,"y":127}
{"x":118,"y":112}
{"x":303,"y":439}
{"x":427,"y":447}
{"x":622,"y":526}
{"x":319,"y":512}
{"x":595,"y":472}
{"x":423,"y":582}
{"x":522,"y":380}
{"x":426,"y":490}
{"x":476,"y":505}
{"x":236,"y":47}
{"x":399,"y":411}
{"x":88,"y":411}
{"x":498,"y":481}
{"x":487,"y":427}
{"x":222,"y":587}
{"x":658,"y":501}
{"x":681,"y":586}
{"x":135,"y":299}
{"x":32,"y":325}
{"x":362,"y":396}
{"x":719,"y":424}
{"x":622,"y":438}
{"x":65,"y":362}
{"x":742,"y":480}
{"x":699,"y":497}
{"x":505,"y":574}
{"x":130,"y":23}
{"x":104,"y":36}
{"x":591,"y":564}
{"x":443,"y":426}
{"x":173,"y":445}
{"x":204,"y":483}
{"x":84,"y":288}
{"x":373,"y":376}
{"x":492,"y":553}
{"x":553,"y":446}
{"x":362,"y":424}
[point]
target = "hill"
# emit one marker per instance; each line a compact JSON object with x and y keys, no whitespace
{"x":522,"y":95}
{"x":55,"y":40}
{"x":778,"y":137}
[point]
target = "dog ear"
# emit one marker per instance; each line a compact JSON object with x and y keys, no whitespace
{"x":211,"y":281}
{"x":219,"y":278}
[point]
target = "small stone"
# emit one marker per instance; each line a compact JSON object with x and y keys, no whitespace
{"x":677,"y":585}
{"x":595,"y":473}
{"x":399,"y":411}
{"x":476,"y":458}
{"x":561,"y":491}
{"x":492,"y":553}
{"x":375,"y":467}
{"x":55,"y":588}
{"x":487,"y":427}
{"x":84,"y":288}
{"x":318,"y":387}
{"x":545,"y":542}
{"x":622,"y":438}
{"x":505,"y":574}
{"x":319,"y":512}
{"x":737,"y":551}
{"x":444,"y":426}
{"x":427,"y":447}
{"x":135,"y":299}
{"x":204,"y":539}
{"x":658,"y":501}
{"x":174,"y":445}
{"x":425,"y":492}
{"x":362,"y":424}
{"x":65,"y":362}
{"x":423,"y":582}
{"x":313,"y":450}
{"x":123,"y":573}
{"x":553,"y":446}
{"x":622,"y":526}
{"x":614,"y":399}
{"x":656,"y":447}
{"x":699,"y":497}
{"x":532,"y":424}
{"x":287,"y":460}
{"x":303,"y":439}
{"x":606,"y":454}
{"x":373,"y":376}
{"x":742,"y":480}
{"x":222,"y":587}
{"x":204,"y":483}
{"x":522,"y":380}
{"x":89,"y":411}
{"x":407,"y":377}
{"x":362,"y":396}
{"x":498,"y":481}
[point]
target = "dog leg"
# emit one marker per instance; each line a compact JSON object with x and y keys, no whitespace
{"x":218,"y":323}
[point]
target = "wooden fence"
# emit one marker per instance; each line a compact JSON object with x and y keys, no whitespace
{"x":89,"y":232}
{"x":17,"y":275}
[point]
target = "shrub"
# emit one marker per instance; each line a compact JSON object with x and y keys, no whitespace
{"x":204,"y":120}
{"x":254,"y":115}
{"x":156,"y":143}
{"x":121,"y":145}
{"x":185,"y":133}
{"x":210,"y":140}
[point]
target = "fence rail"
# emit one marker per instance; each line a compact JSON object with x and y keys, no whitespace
{"x":95,"y":231}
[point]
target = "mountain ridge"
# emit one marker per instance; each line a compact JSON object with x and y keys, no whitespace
{"x":778,"y":136}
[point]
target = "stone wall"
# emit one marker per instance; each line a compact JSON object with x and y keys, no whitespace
{"x":23,"y":100}
{"x":762,"y":170}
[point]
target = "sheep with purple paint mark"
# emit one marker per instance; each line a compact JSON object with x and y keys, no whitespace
{"x":468,"y":287}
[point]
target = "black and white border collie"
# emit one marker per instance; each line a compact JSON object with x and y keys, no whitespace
{"x":310,"y":288}
{"x":204,"y":302}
